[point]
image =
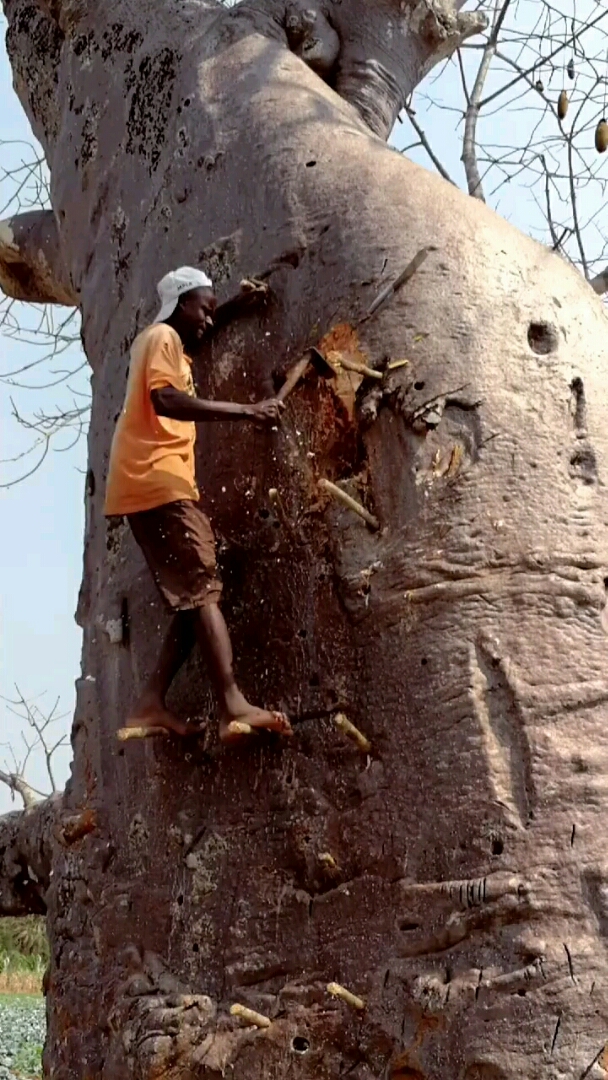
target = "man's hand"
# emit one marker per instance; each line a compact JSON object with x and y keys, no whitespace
{"x":267,"y":412}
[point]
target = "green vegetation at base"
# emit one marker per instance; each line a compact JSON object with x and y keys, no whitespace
{"x":24,"y":955}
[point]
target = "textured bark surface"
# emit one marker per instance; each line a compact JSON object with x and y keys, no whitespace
{"x":455,"y":877}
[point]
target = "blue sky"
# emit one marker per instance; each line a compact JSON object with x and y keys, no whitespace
{"x":41,"y":541}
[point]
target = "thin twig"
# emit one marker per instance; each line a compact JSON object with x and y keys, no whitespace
{"x":427,"y":146}
{"x":469,"y":145}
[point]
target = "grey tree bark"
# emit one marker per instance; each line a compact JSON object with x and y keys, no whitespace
{"x":454,"y":877}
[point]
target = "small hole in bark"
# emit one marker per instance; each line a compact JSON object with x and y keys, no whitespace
{"x":90,"y":485}
{"x":180,"y":899}
{"x":497,"y":847}
{"x":408,"y":927}
{"x":424,"y":661}
{"x":542,"y":338}
{"x":419,"y":385}
{"x":606,"y":583}
{"x":276,"y":524}
{"x":314,"y":680}
{"x":302,"y":633}
{"x":121,"y":752}
{"x":300,"y":1045}
{"x":195,"y":947}
{"x":264,"y":514}
{"x":186,"y":101}
{"x":310,"y":164}
{"x":521,"y":993}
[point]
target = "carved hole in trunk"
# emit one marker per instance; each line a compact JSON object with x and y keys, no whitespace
{"x":497,"y":847}
{"x":263,"y":513}
{"x":409,"y":927}
{"x":180,"y":899}
{"x":404,"y":1072}
{"x":90,"y":484}
{"x":315,"y":679}
{"x":195,"y":947}
{"x":424,"y":661}
{"x":419,"y":385}
{"x":542,"y":338}
{"x":300,"y":1045}
{"x":583,"y":465}
{"x":310,"y":164}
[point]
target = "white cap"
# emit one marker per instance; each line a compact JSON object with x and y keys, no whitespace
{"x":175,"y":284}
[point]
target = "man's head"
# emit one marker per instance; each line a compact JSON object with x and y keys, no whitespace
{"x":188,"y":303}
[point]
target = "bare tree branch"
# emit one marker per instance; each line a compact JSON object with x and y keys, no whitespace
{"x":427,"y":146}
{"x":469,"y":153}
{"x":40,"y":724}
{"x":19,"y":786}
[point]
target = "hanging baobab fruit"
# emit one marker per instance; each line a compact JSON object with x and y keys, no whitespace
{"x":601,"y":137}
{"x":562,"y":105}
{"x":570,"y":68}
{"x":540,"y":86}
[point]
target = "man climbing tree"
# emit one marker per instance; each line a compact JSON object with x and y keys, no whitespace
{"x":427,"y":898}
{"x":151,"y":480}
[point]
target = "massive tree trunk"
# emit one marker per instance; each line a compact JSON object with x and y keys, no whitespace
{"x":454,"y":876}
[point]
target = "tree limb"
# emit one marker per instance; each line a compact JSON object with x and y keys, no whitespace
{"x":26,"y":842}
{"x":31,"y":263}
{"x":599,"y":283}
{"x":19,"y":786}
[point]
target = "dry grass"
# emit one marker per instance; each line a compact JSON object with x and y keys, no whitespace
{"x":20,"y":982}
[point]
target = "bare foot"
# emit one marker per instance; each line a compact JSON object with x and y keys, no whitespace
{"x":250,"y":720}
{"x":149,"y":713}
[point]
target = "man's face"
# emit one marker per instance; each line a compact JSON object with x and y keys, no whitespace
{"x":197,"y":312}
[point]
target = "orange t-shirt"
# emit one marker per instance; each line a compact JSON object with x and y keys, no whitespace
{"x":152,"y":457}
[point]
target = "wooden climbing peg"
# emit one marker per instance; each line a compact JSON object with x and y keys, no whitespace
{"x":344,"y":725}
{"x":125,"y":733}
{"x":348,"y":501}
{"x":250,"y":1016}
{"x":341,"y":992}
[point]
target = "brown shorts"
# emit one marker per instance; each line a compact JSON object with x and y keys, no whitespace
{"x":179,"y":547}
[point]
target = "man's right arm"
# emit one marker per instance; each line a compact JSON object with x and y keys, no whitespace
{"x":178,"y":405}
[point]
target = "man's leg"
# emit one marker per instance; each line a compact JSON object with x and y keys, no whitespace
{"x":234,"y":708}
{"x":150,"y":710}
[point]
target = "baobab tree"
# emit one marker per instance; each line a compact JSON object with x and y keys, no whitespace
{"x":432,"y":839}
